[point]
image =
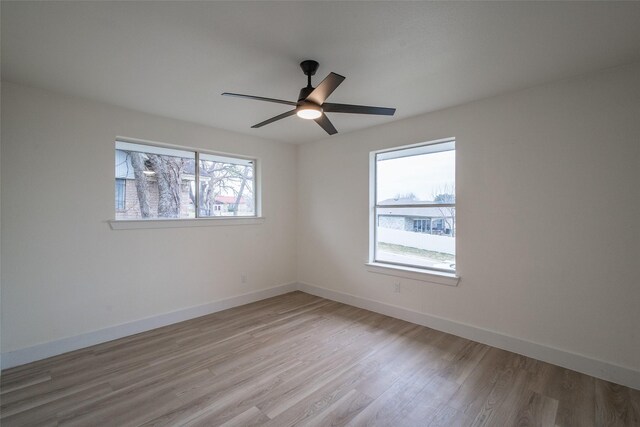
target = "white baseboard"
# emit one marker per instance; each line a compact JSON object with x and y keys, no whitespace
{"x":577,"y":362}
{"x":10,"y":359}
{"x":566,"y":359}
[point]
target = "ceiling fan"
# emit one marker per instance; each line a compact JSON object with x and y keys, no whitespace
{"x":311,"y":105}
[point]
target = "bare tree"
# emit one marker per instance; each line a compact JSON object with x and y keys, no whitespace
{"x":405,"y":196}
{"x":216,"y":178}
{"x":142,"y":186}
{"x":447,"y":194}
{"x":219,"y":178}
{"x":245,"y":175}
{"x":168,"y":173}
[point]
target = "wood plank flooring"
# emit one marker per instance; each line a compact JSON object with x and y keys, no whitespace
{"x":301,"y":360}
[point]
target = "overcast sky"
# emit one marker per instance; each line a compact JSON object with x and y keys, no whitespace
{"x":425,"y":175}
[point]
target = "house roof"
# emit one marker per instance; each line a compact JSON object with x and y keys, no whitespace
{"x":404,"y":201}
{"x":228,"y":200}
{"x":416,"y":212}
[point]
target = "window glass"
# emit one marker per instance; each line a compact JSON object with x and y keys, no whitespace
{"x":415,"y":212}
{"x":120,"y":194}
{"x":154,"y":182}
{"x":226,"y":186}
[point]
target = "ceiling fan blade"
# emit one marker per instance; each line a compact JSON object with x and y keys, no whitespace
{"x":276,"y":118}
{"x":325,"y":88}
{"x":328,"y":107}
{"x":326,"y":124}
{"x":260,"y":98}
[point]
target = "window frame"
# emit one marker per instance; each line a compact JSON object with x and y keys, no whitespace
{"x":374,"y":206}
{"x":256,"y":218}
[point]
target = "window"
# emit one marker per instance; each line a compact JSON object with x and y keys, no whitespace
{"x":226,"y":186}
{"x":164,"y":179}
{"x":413,"y":207}
{"x":120,"y":194}
{"x":421,"y":225}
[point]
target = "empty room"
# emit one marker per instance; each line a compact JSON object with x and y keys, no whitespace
{"x":320,"y":213}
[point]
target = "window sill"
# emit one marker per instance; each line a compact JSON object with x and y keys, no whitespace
{"x":133,"y":224}
{"x":441,"y":278}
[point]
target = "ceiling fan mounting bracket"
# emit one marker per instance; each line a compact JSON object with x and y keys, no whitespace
{"x":309,"y":67}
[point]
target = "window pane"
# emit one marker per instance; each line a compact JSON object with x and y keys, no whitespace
{"x":421,"y":178}
{"x":412,"y":226}
{"x":423,"y":237}
{"x":226,"y":186}
{"x":120,"y":194}
{"x":156,"y":182}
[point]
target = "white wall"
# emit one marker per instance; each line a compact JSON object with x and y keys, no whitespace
{"x":548,"y":244}
{"x":548,"y":218}
{"x":65,"y":272}
{"x":0,"y":228}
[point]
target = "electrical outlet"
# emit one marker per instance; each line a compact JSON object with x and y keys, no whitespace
{"x":243,"y":278}
{"x":396,"y":287}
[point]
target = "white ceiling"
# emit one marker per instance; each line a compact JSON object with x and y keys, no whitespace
{"x":174,"y":59}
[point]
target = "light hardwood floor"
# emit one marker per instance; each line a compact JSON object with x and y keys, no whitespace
{"x":298,"y":359}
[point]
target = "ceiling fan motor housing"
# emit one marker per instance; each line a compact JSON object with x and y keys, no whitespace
{"x":304,"y":92}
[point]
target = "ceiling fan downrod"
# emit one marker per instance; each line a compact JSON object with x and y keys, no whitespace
{"x":309,"y":68}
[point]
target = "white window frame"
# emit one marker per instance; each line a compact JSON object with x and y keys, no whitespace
{"x":198,"y":221}
{"x":404,"y":270}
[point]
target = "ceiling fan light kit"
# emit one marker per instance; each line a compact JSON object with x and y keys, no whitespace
{"x":311,"y":103}
{"x":309,"y":110}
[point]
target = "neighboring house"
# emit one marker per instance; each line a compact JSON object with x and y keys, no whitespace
{"x":228,"y":204}
{"x":430,"y":220}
